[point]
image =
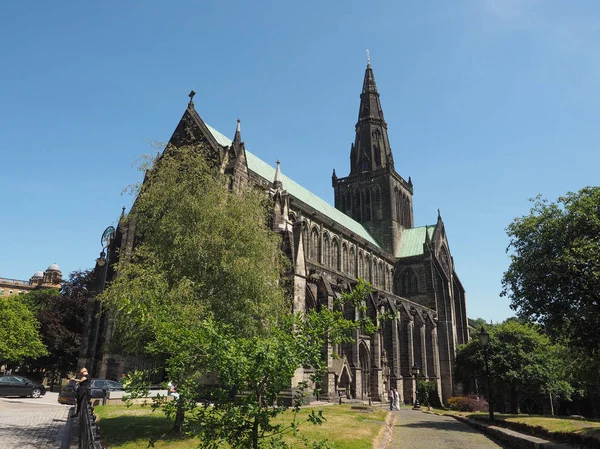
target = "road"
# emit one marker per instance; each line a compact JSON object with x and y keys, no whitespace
{"x":27,"y":423}
{"x":418,"y":430}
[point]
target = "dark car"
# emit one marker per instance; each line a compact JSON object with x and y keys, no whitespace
{"x":12,"y":385}
{"x":98,"y":389}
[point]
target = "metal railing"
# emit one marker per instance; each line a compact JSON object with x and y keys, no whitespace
{"x":89,"y":431}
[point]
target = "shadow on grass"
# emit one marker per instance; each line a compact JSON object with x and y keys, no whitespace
{"x":118,"y":430}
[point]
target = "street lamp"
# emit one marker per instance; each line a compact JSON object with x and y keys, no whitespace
{"x":102,"y":261}
{"x":484,"y":339}
{"x":415,"y":372}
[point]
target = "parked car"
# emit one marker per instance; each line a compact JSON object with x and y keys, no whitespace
{"x":13,"y":385}
{"x":98,"y":389}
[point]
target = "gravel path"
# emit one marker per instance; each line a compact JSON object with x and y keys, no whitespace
{"x":418,"y":430}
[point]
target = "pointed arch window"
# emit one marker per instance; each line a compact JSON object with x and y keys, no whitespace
{"x":356,"y":206}
{"x":335,"y":249}
{"x":306,"y":242}
{"x":348,"y":203}
{"x":344,"y":258}
{"x":314,"y":247}
{"x":326,"y":251}
{"x":352,"y":262}
{"x":378,"y":211}
{"x":367,"y":205}
{"x":360,"y":265}
{"x":409,"y":284}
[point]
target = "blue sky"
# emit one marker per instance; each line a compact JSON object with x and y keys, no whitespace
{"x":488,"y":103}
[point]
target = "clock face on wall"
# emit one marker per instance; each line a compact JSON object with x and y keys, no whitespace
{"x":107,"y":236}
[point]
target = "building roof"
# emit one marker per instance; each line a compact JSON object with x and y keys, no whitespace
{"x":54,"y":267}
{"x":38,"y":274}
{"x":413,"y":239}
{"x":267,"y":172}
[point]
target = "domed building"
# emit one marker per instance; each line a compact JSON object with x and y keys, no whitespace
{"x":51,"y":278}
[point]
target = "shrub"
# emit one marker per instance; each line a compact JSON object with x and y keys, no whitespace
{"x":468,"y":404}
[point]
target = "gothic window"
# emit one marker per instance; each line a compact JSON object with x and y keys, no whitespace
{"x":356,"y":206}
{"x":375,"y":274}
{"x":352,"y":262}
{"x":360,"y":265}
{"x":326,"y":257}
{"x":397,"y":201}
{"x":367,"y":205}
{"x":344,"y":258}
{"x":377,"y":154}
{"x":364,"y":162}
{"x":380,"y":275}
{"x":408,"y":283}
{"x":367,"y":274}
{"x":314,"y":247}
{"x":335,"y":254}
{"x":378,"y":211}
{"x":376,"y":135}
{"x":306,"y":241}
{"x":348,"y":203}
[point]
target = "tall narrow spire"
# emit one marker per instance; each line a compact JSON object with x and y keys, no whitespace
{"x":238,"y":133}
{"x":277,"y":184}
{"x":371,"y":149}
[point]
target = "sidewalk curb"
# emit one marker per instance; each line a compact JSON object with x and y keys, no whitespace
{"x":513,"y":439}
{"x":384,"y":436}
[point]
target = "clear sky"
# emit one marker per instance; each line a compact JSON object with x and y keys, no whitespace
{"x":488,"y":103}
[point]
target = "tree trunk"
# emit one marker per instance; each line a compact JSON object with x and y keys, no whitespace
{"x":179,"y":416}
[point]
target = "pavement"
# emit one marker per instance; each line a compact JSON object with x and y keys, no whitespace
{"x":27,"y":423}
{"x":413,"y":429}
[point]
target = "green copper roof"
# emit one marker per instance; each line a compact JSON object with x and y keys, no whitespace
{"x":412,"y":241}
{"x":267,"y":172}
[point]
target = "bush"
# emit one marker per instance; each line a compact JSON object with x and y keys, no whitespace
{"x":427,"y":394}
{"x":468,"y":404}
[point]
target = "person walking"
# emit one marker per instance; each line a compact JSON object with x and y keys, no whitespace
{"x":396,"y":399}
{"x":83,"y":391}
{"x":391,"y":397}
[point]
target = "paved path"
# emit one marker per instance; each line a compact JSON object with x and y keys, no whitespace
{"x":27,"y":423}
{"x":418,"y":430}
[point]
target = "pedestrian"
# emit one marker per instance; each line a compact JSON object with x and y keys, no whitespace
{"x":391,"y":397}
{"x":83,"y":390}
{"x":397,"y":399}
{"x":173,"y":390}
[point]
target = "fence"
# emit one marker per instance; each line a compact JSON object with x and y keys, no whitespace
{"x":89,"y":431}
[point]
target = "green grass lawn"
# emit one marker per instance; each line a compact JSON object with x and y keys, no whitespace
{"x":129,"y":428}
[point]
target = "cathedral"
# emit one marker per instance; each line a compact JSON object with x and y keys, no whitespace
{"x":368,"y":233}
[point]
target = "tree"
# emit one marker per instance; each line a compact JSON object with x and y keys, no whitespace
{"x":554,"y":275}
{"x":203,"y":254}
{"x":205,"y":288}
{"x":523,"y":363}
{"x":19,"y":335}
{"x":61,"y":315}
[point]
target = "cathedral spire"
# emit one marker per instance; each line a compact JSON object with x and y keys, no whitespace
{"x":238,"y":133}
{"x":371,"y":149}
{"x":277,"y":184}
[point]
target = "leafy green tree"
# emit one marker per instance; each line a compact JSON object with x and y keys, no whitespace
{"x":61,"y":316}
{"x":204,"y":289}
{"x":203,"y":253}
{"x":522,"y":362}
{"x":554,"y":275}
{"x":19,"y":335}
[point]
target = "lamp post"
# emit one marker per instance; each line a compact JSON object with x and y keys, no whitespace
{"x":415,"y":372}
{"x":484,"y":339}
{"x":102,"y":262}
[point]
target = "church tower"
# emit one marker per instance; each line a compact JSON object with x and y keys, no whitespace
{"x":373,"y":193}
